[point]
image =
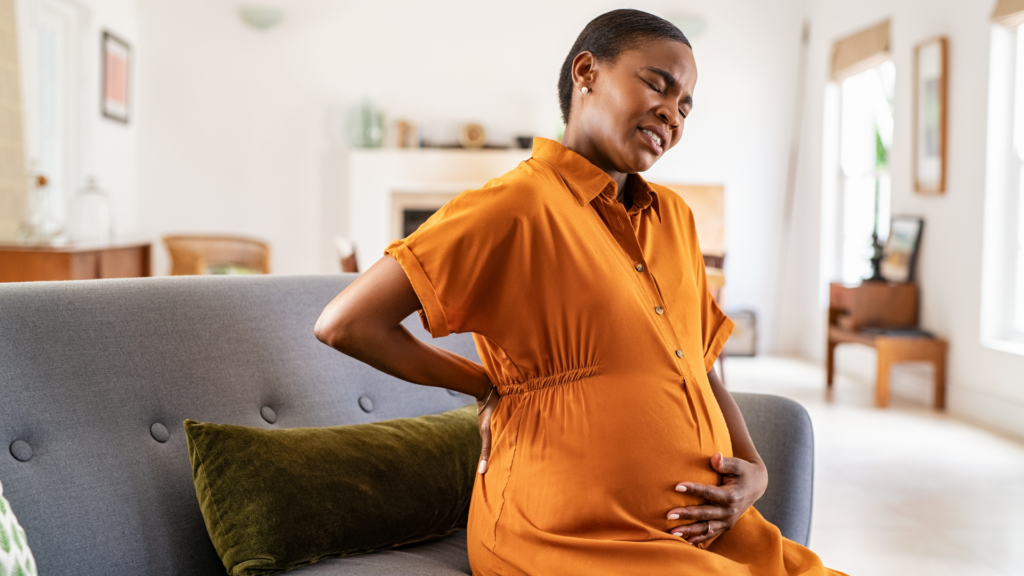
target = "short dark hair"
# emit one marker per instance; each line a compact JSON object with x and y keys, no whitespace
{"x":607,"y":37}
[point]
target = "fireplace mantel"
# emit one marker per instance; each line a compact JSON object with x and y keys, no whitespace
{"x":378,"y":178}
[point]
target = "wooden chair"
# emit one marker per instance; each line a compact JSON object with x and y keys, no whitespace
{"x":198,"y":254}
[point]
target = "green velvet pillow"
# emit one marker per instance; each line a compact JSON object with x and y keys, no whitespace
{"x":274,"y":500}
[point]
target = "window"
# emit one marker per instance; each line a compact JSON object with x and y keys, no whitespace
{"x":862,"y":205}
{"x":51,"y":71}
{"x":1003,"y":255}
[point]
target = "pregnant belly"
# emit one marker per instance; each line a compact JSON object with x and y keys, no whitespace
{"x":601,"y":458}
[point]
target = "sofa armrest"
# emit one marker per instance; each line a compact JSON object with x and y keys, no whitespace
{"x":782,"y":432}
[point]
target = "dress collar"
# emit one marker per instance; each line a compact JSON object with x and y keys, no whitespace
{"x":587,"y":182}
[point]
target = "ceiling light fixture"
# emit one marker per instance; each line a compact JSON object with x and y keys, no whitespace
{"x":260,"y":17}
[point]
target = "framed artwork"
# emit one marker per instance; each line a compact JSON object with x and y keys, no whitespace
{"x":930,"y":104}
{"x":899,"y":255}
{"x":116,"y":61}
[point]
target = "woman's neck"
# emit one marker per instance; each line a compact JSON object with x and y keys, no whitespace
{"x":584,"y":146}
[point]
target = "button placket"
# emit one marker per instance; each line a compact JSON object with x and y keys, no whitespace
{"x":609,"y":211}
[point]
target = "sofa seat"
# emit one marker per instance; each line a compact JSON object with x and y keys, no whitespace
{"x":444,"y":557}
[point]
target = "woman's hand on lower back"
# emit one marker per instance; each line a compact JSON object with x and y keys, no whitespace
{"x":743,"y":483}
{"x":484,"y":410}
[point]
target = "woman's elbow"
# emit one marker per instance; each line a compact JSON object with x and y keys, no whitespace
{"x":332,"y":328}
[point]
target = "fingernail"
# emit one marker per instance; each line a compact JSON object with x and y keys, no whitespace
{"x":679,"y":534}
{"x":482,"y":467}
{"x":680,"y":488}
{"x":673,"y":516}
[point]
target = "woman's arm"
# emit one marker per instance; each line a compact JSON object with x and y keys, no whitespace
{"x":365,"y":322}
{"x":742,"y":446}
{"x":744,"y":479}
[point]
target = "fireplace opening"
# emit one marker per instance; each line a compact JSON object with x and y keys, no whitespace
{"x":412,"y":218}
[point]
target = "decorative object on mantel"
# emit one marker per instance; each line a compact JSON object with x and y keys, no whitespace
{"x":366,"y":126}
{"x":406,"y":134}
{"x":930,"y":116}
{"x":525,"y":142}
{"x":260,"y":17}
{"x":92,"y":215}
{"x":472,"y":136}
{"x":899,"y":257}
{"x":116,"y":64}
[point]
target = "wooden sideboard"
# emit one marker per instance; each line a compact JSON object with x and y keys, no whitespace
{"x":32,"y":263}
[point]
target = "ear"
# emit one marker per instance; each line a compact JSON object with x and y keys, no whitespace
{"x":584,"y":69}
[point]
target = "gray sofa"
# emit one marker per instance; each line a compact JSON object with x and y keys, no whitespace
{"x":96,"y":378}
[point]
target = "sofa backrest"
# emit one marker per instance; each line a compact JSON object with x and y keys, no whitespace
{"x":96,"y":378}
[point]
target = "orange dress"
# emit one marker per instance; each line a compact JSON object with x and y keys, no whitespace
{"x":597,"y":327}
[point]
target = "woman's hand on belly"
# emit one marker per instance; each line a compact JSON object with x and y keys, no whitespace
{"x":743,"y":483}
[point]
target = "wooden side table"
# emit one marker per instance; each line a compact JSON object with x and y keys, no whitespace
{"x":892,"y":350}
{"x":31,"y":263}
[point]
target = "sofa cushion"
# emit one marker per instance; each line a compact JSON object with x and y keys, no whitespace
{"x":15,"y":555}
{"x":444,"y":557}
{"x":274,"y":500}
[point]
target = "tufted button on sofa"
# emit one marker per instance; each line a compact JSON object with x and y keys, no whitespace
{"x":96,"y":378}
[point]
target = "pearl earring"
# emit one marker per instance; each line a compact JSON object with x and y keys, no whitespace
{"x":584,"y":89}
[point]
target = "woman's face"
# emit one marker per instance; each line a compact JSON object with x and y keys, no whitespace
{"x":636,"y":106}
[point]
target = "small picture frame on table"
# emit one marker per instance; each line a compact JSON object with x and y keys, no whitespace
{"x":899,"y":255}
{"x":116,"y":62}
{"x":930,"y":111}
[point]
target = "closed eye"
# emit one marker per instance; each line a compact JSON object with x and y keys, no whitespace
{"x":655,"y":88}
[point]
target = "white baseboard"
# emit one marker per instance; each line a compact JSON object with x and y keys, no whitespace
{"x":987,"y":410}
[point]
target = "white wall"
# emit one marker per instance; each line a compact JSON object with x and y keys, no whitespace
{"x":241,"y":129}
{"x":983,"y":385}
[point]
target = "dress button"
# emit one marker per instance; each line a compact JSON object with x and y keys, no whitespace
{"x":639,"y":267}
{"x":679,"y":353}
{"x":659,"y":310}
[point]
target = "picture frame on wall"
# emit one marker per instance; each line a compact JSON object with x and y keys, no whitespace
{"x":115,"y":96}
{"x":930,"y":111}
{"x":899,"y":255}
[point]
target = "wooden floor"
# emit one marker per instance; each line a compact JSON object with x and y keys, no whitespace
{"x":902,"y":490}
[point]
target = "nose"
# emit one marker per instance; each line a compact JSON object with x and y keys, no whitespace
{"x":666,"y":115}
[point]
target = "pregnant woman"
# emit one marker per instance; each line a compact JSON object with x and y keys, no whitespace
{"x":610,"y":446}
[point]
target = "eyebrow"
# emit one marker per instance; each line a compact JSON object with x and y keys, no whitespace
{"x":670,"y":81}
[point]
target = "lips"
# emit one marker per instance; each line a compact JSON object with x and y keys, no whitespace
{"x":654,"y":137}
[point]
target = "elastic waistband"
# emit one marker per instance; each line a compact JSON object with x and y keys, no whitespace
{"x":542,"y":382}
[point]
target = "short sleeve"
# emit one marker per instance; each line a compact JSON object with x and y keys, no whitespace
{"x":716,"y":327}
{"x":457,"y":261}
